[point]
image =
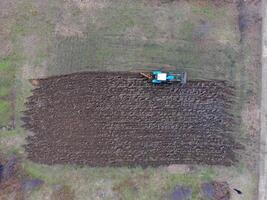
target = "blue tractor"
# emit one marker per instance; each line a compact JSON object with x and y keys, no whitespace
{"x":158,"y":77}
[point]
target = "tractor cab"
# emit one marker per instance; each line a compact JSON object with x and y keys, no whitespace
{"x":167,"y":77}
{"x":159,"y":77}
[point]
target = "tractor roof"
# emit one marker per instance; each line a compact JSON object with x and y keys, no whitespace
{"x":162,"y":77}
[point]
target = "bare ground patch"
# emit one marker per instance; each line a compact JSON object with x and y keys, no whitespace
{"x":116,"y":119}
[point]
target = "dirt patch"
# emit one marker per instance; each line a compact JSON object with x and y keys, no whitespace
{"x":135,"y":33}
{"x":251,"y":117}
{"x":250,"y":23}
{"x":13,"y":184}
{"x":5,"y":48}
{"x":216,"y":191}
{"x":7,"y":8}
{"x":173,"y":169}
{"x":30,"y":45}
{"x":11,"y":189}
{"x":115,"y":119}
{"x":73,"y":17}
{"x":62,"y":193}
{"x":91,"y":4}
{"x":68,"y":31}
{"x":30,"y":71}
{"x":249,"y":19}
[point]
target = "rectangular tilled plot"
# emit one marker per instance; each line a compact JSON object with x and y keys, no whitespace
{"x":118,"y":119}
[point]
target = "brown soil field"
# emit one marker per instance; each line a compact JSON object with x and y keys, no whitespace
{"x":119,"y":119}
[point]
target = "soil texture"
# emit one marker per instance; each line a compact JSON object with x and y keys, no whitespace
{"x":120,"y":119}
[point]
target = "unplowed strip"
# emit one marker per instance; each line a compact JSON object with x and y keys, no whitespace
{"x":117,"y":119}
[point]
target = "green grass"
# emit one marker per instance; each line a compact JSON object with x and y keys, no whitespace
{"x":108,"y":49}
{"x":127,"y":183}
{"x":5,"y":64}
{"x":7,"y":74}
{"x":135,"y":183}
{"x":5,"y":112}
{"x":4,"y":91}
{"x":7,"y":69}
{"x":208,"y":11}
{"x":186,"y":30}
{"x":11,"y":133}
{"x":6,"y":85}
{"x":37,"y":171}
{"x":207,"y":175}
{"x":11,"y":142}
{"x":18,"y":29}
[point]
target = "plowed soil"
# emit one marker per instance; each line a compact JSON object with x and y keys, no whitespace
{"x":118,"y":119}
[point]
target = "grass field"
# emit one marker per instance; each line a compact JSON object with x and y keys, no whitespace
{"x":41,"y":38}
{"x":136,"y":36}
